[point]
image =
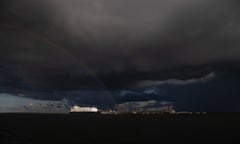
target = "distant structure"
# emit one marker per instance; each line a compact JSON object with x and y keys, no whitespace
{"x":76,"y":109}
{"x":146,"y":106}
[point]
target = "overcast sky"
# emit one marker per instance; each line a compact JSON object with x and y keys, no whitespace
{"x":43,"y":43}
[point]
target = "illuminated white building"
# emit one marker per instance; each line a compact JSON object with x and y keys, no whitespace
{"x":83,"y":109}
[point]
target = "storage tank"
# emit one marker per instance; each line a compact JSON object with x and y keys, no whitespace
{"x":83,"y":109}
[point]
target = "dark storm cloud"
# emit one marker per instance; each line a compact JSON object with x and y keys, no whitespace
{"x":50,"y":41}
{"x":206,"y":78}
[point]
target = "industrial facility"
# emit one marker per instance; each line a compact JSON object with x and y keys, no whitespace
{"x":76,"y":109}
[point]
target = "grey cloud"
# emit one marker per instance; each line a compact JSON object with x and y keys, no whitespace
{"x":206,"y":78}
{"x":48,"y":39}
{"x":154,"y":35}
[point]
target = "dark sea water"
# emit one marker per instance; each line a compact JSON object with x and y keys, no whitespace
{"x":96,"y":128}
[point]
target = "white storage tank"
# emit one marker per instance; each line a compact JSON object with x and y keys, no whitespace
{"x":83,"y":109}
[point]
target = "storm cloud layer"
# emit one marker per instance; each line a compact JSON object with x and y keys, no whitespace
{"x":206,"y":78}
{"x":50,"y":42}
